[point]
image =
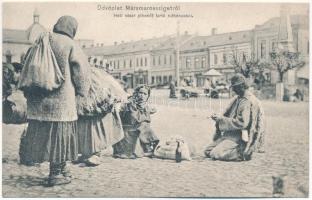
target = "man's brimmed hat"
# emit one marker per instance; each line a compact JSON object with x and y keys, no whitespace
{"x":238,"y":79}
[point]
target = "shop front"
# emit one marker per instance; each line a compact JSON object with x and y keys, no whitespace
{"x":140,"y":77}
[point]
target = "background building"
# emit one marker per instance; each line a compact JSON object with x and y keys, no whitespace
{"x":154,"y":61}
{"x":15,"y":43}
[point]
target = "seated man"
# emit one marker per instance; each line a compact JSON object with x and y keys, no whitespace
{"x":244,"y":115}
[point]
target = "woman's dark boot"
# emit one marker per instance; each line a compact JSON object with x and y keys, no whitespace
{"x":65,"y":171}
{"x":56,"y":177}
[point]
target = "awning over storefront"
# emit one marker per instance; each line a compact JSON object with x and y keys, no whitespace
{"x":212,"y":72}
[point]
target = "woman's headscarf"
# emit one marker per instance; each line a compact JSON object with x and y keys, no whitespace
{"x":135,"y":98}
{"x":144,"y":87}
{"x":66,"y":25}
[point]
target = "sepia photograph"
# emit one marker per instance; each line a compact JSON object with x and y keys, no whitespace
{"x":155,"y":99}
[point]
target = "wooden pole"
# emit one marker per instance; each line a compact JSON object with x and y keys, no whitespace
{"x":178,"y":54}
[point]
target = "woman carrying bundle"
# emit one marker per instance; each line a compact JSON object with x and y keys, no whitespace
{"x":62,"y":73}
{"x":99,"y":125}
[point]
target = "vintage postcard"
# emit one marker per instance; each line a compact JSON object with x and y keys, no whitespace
{"x":155,"y":99}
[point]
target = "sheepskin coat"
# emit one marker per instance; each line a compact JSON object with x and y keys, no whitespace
{"x":60,"y":104}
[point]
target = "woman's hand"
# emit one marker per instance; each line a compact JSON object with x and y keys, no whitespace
{"x":215,"y":117}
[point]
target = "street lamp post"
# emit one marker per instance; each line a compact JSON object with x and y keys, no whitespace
{"x":178,"y":54}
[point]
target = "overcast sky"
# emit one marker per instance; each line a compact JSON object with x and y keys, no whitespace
{"x":101,"y":26}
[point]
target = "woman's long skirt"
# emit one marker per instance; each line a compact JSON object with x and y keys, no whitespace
{"x":49,"y":141}
{"x":129,"y":145}
{"x":98,"y":133}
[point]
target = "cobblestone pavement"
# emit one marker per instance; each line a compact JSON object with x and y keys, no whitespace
{"x":287,"y":146}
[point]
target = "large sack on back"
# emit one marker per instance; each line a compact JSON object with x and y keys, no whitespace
{"x":103,"y":92}
{"x":167,"y":149}
{"x":41,"y":72}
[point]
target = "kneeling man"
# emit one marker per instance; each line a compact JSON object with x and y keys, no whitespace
{"x":239,"y":132}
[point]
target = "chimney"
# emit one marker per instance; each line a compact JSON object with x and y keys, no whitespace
{"x":115,"y":43}
{"x":213,"y":31}
{"x":102,"y":44}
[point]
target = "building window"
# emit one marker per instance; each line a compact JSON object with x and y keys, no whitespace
{"x":145,"y":62}
{"x":159,"y":60}
{"x":203,"y":61}
{"x":125,"y":64}
{"x":165,"y":59}
{"x":308,"y":48}
{"x":101,"y":63}
{"x":137,"y":62}
{"x":262,"y":49}
{"x":215,"y":59}
{"x":196,"y":63}
{"x":153,"y":79}
{"x":8,"y":58}
{"x":130,"y":63}
{"x":188,"y":62}
{"x":170,"y":59}
{"x":154,"y":63}
{"x":158,"y":79}
{"x":274,"y":46}
{"x":165,"y":79}
{"x":224,"y":59}
{"x":141,"y":62}
{"x":114,"y":64}
{"x":118,"y":64}
{"x":170,"y":78}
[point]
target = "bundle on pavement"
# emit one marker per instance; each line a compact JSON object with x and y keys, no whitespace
{"x":168,"y":148}
{"x":14,"y":108}
{"x":104,"y":91}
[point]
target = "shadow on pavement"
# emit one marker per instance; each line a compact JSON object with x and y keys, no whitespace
{"x":26,"y":181}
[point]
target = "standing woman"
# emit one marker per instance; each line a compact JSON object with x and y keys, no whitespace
{"x":51,"y":134}
{"x":99,"y":125}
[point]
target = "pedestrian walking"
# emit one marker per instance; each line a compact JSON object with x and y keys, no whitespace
{"x":172,"y":90}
